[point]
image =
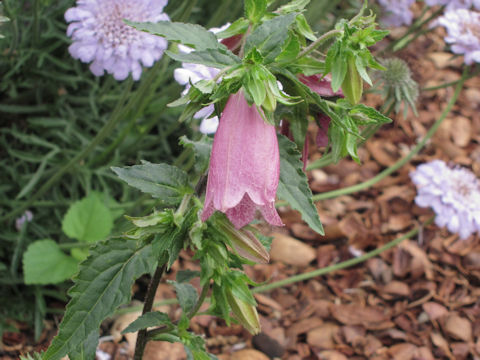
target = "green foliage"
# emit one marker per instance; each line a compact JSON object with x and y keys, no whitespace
{"x":88,"y":220}
{"x":186,"y":295}
{"x":202,"y":149}
{"x":269,"y":37}
{"x":111,"y":269}
{"x":255,"y":9}
{"x":191,"y":35}
{"x":45,"y":263}
{"x":153,"y":318}
{"x":293,"y":185}
{"x":217,"y":58}
{"x":161,"y":181}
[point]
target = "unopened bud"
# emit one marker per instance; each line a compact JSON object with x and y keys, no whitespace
{"x":352,"y":85}
{"x":245,"y":313}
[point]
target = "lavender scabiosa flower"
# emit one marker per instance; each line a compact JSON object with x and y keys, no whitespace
{"x":452,"y":193}
{"x":244,"y":166}
{"x":463,"y":33}
{"x":101,"y":37}
{"x":397,"y":12}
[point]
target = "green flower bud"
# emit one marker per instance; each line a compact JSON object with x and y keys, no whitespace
{"x":245,"y":313}
{"x":352,"y":85}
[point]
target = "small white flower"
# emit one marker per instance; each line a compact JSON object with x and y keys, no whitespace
{"x":463,"y":33}
{"x":101,"y":37}
{"x":397,"y":12}
{"x":453,"y":194}
{"x":193,"y":73}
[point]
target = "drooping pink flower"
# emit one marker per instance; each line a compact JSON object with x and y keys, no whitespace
{"x":244,"y":166}
{"x":323,"y":122}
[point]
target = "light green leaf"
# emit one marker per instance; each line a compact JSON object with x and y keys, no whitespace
{"x":269,"y":37}
{"x":293,"y":185}
{"x":186,"y":294}
{"x":45,"y":263}
{"x":239,"y":26}
{"x":154,"y":318}
{"x":191,"y":35}
{"x":103,"y":283}
{"x":293,"y":6}
{"x":88,"y":220}
{"x":217,"y":58}
{"x":255,"y":9}
{"x":162,"y":181}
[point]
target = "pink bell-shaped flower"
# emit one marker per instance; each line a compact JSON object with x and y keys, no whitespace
{"x":244,"y":166}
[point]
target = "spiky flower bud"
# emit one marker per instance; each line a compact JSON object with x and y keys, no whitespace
{"x":397,"y":86}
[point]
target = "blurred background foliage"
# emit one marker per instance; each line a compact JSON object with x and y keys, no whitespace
{"x":61,"y":129}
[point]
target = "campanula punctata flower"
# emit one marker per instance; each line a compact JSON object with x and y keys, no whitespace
{"x":244,"y":166}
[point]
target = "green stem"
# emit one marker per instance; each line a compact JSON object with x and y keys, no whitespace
{"x":406,"y":159}
{"x":451,"y":83}
{"x":341,"y":265}
{"x":116,"y":116}
{"x":74,"y":245}
{"x":318,"y":42}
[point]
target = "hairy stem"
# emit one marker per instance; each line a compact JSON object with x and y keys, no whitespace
{"x":318,"y":42}
{"x":147,"y":307}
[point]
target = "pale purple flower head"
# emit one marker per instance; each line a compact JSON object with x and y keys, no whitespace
{"x":397,"y":12}
{"x":463,"y":33}
{"x":193,"y":73}
{"x":25,"y":218}
{"x":455,"y":4}
{"x":244,"y":166}
{"x":452,"y":193}
{"x":100,"y":36}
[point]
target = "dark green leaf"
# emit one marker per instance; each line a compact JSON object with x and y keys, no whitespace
{"x":185,"y":276}
{"x":202,"y":150}
{"x":104,"y":282}
{"x":86,"y":350}
{"x":269,"y":37}
{"x":188,"y":34}
{"x":217,"y":58}
{"x":154,"y":318}
{"x":293,"y":185}
{"x":45,"y":263}
{"x":186,"y":295}
{"x":162,"y":181}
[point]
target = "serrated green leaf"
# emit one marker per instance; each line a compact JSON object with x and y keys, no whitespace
{"x":162,"y":181}
{"x":255,"y":9}
{"x":86,"y":350}
{"x":269,"y":37}
{"x":186,"y":294}
{"x":185,"y":276}
{"x":103,"y":283}
{"x":153,"y":318}
{"x":45,"y":263}
{"x":88,"y":220}
{"x":191,"y":35}
{"x":239,"y":26}
{"x":202,"y":150}
{"x":217,"y":58}
{"x":293,"y":185}
{"x":370,"y":113}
